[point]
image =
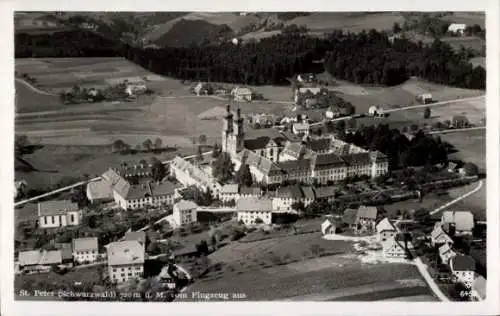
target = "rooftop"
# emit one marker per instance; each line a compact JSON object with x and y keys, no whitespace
{"x":139,"y":236}
{"x":250,"y":190}
{"x":125,"y":252}
{"x":324,"y":192}
{"x":85,"y":244}
{"x":464,"y":221}
{"x":230,"y":189}
{"x":37,"y":257}
{"x":254,"y":204}
{"x":61,"y":207}
{"x":100,"y":189}
{"x":463,"y":263}
{"x":385,"y":225}
{"x":184,"y":205}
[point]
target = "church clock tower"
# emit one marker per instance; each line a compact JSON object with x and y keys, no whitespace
{"x":227,"y":131}
{"x":239,"y":135}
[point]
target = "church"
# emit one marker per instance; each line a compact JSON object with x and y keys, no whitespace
{"x":274,"y":157}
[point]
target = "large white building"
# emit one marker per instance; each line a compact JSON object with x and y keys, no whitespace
{"x":125,"y":260}
{"x":189,"y":174}
{"x":53,"y":214}
{"x":274,"y":157}
{"x":254,"y":210}
{"x":184,"y":213}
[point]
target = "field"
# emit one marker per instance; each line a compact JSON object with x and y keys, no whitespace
{"x":475,"y":203}
{"x":471,"y":146}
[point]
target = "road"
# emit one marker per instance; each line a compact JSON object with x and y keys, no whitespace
{"x":82,"y":183}
{"x":411,"y":107}
{"x":442,"y":207}
{"x":453,"y":130}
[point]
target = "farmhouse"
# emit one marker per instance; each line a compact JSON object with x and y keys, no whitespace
{"x":301,"y":128}
{"x":393,"y":248}
{"x":329,"y":227}
{"x":457,"y":28}
{"x":332,"y":113}
{"x":99,"y":192}
{"x":306,"y":78}
{"x":360,"y":219}
{"x":425,"y":98}
{"x":125,"y":260}
{"x":439,"y":236}
{"x":385,"y":230}
{"x":62,"y":213}
{"x":38,"y":260}
{"x":252,"y":210}
{"x":446,"y":253}
{"x":457,"y":223}
{"x":463,"y":269}
{"x":242,"y":94}
{"x":184,"y":213}
{"x":149,"y":193}
{"x":325,"y":193}
{"x":376,"y":111}
{"x":85,"y":250}
{"x":459,"y":121}
{"x":203,"y":88}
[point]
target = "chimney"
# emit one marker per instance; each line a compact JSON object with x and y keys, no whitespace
{"x":228,"y":108}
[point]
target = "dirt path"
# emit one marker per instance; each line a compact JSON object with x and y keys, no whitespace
{"x":33,"y":88}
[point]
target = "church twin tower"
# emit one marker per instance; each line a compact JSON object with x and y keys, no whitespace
{"x":232,"y":132}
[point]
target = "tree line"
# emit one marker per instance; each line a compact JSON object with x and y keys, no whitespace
{"x":365,"y":58}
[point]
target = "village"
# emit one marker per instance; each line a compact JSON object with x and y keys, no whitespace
{"x":314,"y":189}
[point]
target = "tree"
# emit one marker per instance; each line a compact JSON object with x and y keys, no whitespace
{"x":223,"y":167}
{"x":244,"y":177}
{"x":158,"y":170}
{"x":471,"y":169}
{"x":147,"y":144}
{"x":158,"y":143}
{"x":203,"y":139}
{"x":396,"y":28}
{"x":427,"y":113}
{"x":118,"y":145}
{"x":202,"y":247}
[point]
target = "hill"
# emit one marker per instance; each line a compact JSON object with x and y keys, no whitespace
{"x":186,"y":32}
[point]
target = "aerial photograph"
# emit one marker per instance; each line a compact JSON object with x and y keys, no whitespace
{"x":250,"y":156}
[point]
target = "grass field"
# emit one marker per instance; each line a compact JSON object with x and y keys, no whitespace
{"x":471,"y":146}
{"x":285,"y":282}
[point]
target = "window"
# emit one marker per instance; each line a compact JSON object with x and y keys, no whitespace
{"x":72,"y":218}
{"x":114,"y":269}
{"x":45,"y":220}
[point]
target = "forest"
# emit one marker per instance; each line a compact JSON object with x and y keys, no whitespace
{"x":423,"y":149}
{"x":364,"y":58}
{"x":70,"y":43}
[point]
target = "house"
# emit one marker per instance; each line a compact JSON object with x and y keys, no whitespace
{"x":125,"y":260}
{"x":301,"y":128}
{"x":99,"y":192}
{"x":366,"y":217}
{"x":457,"y":223}
{"x":203,"y":88}
{"x":242,"y":94}
{"x":446,"y":253}
{"x":329,"y":227}
{"x":139,"y":236}
{"x":253,"y":191}
{"x":34,"y":261}
{"x":229,"y":192}
{"x":184,"y":213}
{"x":135,"y":86}
{"x":393,"y":248}
{"x":385,"y":230}
{"x":148,"y":193}
{"x":376,"y":111}
{"x":285,"y":197}
{"x":439,"y":236}
{"x":457,"y":28}
{"x":332,"y":113}
{"x":66,"y":252}
{"x":306,"y":78}
{"x":459,"y":121}
{"x":306,"y":92}
{"x":325,"y":193}
{"x":452,"y":167}
{"x":463,"y":269}
{"x":425,"y":98}
{"x":307,"y":195}
{"x":362,"y":218}
{"x":479,"y":288}
{"x":52,"y":214}
{"x":251,"y":210}
{"x":85,"y":250}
